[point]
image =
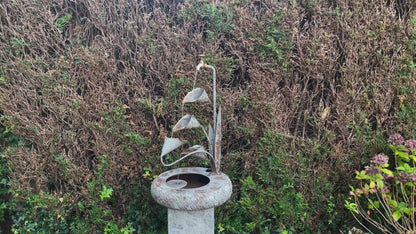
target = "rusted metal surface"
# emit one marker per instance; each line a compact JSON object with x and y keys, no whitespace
{"x":214,"y":193}
{"x":214,"y":134}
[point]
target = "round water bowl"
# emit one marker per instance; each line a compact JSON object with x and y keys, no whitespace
{"x":191,"y":188}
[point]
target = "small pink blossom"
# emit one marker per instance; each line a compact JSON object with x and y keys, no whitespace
{"x":387,"y":177}
{"x":380,"y":160}
{"x":396,"y":139}
{"x":410,"y":144}
{"x":413,"y":177}
{"x":371,"y":170}
{"x":403,"y":177}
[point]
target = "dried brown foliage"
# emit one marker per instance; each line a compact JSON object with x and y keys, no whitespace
{"x":333,"y":72}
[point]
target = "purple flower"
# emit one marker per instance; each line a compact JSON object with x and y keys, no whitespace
{"x":396,"y":139}
{"x":413,"y":177}
{"x":371,"y":170}
{"x":388,"y":178}
{"x":410,"y":144}
{"x":403,"y":177}
{"x":380,"y":160}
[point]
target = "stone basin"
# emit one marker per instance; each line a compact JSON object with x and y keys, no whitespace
{"x":191,"y":189}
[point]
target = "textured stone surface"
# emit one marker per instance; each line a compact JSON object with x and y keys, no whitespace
{"x":215,"y":193}
{"x":191,"y":222}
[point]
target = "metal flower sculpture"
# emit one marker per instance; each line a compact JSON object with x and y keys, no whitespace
{"x":198,"y":95}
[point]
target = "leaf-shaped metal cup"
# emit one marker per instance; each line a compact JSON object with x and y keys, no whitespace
{"x":196,"y":95}
{"x":171,"y":144}
{"x":186,"y":122}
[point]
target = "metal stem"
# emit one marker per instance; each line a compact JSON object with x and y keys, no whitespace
{"x":214,"y":94}
{"x":214,"y":109}
{"x":214,"y":87}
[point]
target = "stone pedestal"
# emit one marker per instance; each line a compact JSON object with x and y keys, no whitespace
{"x":198,"y":221}
{"x":190,"y":194}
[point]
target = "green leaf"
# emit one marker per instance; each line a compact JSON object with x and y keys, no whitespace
{"x":397,"y":215}
{"x":400,"y":148}
{"x":361,"y":175}
{"x":401,"y":206}
{"x":406,"y":211}
{"x":400,"y":168}
{"x":371,"y":207}
{"x":106,"y":192}
{"x":392,"y":148}
{"x":387,"y":171}
{"x":220,"y":228}
{"x":380,"y":184}
{"x":393,"y":203}
{"x":351,"y":206}
{"x":403,"y":155}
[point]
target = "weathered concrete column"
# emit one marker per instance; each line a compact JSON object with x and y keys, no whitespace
{"x":197,"y":221}
{"x":190,"y":194}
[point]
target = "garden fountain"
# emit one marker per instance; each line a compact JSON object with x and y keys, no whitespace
{"x":191,"y":193}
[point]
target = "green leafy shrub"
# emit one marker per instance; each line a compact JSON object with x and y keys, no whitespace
{"x":44,"y":212}
{"x":7,"y":139}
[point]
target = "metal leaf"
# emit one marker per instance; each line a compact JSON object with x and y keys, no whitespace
{"x":196,"y":151}
{"x":217,"y":144}
{"x":171,"y":144}
{"x":186,"y":122}
{"x":196,"y":95}
{"x":211,"y":139}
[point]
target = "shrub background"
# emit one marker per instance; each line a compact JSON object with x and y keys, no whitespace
{"x":310,"y":90}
